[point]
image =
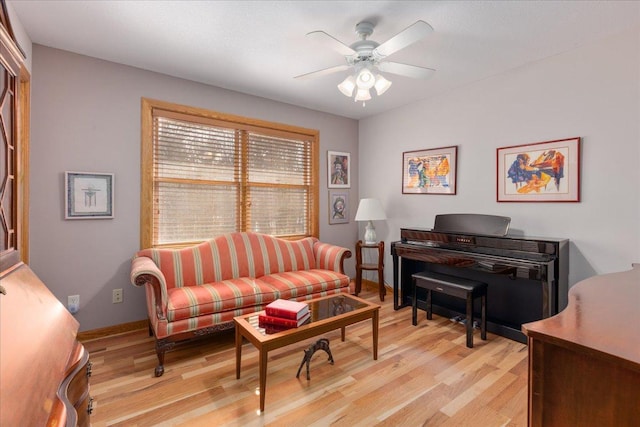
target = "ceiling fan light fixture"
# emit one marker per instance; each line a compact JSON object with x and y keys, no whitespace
{"x":347,"y":86}
{"x":381,"y":84}
{"x":366,"y":57}
{"x":365,"y":79}
{"x":362,"y":95}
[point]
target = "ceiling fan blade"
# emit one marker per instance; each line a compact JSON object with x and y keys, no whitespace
{"x":324,"y":72}
{"x":406,"y":70}
{"x":404,"y":38}
{"x":331,"y":42}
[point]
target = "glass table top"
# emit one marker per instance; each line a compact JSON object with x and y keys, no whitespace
{"x":321,"y":309}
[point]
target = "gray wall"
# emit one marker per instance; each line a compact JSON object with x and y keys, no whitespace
{"x":86,"y":118}
{"x":592,"y":92}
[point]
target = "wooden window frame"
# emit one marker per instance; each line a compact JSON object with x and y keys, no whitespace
{"x":150,"y":108}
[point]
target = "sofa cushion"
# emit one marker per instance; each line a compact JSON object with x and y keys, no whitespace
{"x":227,"y":295}
{"x":234,"y":294}
{"x":293,"y":285}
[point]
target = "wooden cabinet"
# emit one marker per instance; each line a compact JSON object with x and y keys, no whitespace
{"x":584,"y":363}
{"x":44,"y":370}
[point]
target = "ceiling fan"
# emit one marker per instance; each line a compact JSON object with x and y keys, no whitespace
{"x":367,"y":57}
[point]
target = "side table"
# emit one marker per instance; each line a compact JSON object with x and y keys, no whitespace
{"x":379,"y":266}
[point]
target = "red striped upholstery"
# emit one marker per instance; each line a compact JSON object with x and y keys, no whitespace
{"x":292,"y":285}
{"x":214,"y":281}
{"x":232,"y":256}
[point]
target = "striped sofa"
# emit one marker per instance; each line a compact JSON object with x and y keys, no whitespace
{"x":198,"y":290}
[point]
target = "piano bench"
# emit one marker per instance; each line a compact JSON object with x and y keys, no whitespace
{"x":455,"y":287}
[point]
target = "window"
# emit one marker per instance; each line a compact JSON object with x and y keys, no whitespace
{"x":206,"y":173}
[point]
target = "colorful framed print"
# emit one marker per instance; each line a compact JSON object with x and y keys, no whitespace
{"x":338,"y":207}
{"x":88,"y":195}
{"x":431,"y":171}
{"x":539,"y":172}
{"x":338,"y":169}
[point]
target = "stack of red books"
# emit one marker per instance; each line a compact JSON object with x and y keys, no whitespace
{"x":283,"y":314}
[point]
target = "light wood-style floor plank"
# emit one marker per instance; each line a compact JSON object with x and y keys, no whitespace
{"x":424,"y":376}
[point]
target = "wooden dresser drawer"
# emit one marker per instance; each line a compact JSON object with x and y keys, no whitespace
{"x":83,"y":410}
{"x":78,"y":388}
{"x":74,"y":390}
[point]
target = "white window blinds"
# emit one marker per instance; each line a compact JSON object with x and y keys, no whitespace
{"x":210,"y":176}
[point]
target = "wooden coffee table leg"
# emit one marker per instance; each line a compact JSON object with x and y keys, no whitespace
{"x":263,"y":377}
{"x":374,"y":326}
{"x":238,"y":351}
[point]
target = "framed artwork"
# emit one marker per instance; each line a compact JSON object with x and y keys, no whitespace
{"x":539,"y":172}
{"x":431,"y":171}
{"x":88,"y":195}
{"x":339,"y":169}
{"x":338,"y":207}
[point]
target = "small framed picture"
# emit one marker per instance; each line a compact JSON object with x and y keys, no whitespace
{"x":338,"y":207}
{"x":539,"y":172}
{"x":88,"y":195}
{"x":431,"y":171}
{"x":338,"y":169}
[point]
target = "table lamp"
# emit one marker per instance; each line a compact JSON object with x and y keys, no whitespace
{"x":370,"y":210}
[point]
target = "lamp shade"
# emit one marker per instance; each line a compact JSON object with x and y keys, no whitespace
{"x":362,"y":95}
{"x":347,"y":86}
{"x":370,"y":210}
{"x":362,"y":81}
{"x":381,"y":85}
{"x":365,"y":79}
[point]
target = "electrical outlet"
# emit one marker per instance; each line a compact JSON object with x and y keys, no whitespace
{"x":117,"y":296}
{"x":73,"y":303}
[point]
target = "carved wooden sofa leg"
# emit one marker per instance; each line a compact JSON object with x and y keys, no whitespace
{"x":161,"y":348}
{"x":165,"y":344}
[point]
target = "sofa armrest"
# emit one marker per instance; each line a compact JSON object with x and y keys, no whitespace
{"x":145,"y":272}
{"x":330,"y":257}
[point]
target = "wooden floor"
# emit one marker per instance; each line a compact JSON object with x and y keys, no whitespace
{"x":424,"y":376}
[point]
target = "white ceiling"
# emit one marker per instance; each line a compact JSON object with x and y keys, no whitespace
{"x":257,"y":47}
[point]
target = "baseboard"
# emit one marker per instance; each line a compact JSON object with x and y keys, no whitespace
{"x":370,"y":285}
{"x":112,"y":330}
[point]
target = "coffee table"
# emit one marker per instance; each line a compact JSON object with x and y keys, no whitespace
{"x":327,"y":314}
